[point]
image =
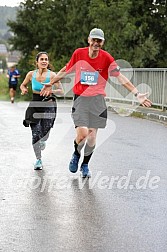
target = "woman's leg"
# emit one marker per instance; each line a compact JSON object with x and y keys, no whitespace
{"x":47,"y":123}
{"x":36,"y":136}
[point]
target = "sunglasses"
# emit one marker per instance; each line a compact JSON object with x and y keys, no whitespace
{"x":97,"y":40}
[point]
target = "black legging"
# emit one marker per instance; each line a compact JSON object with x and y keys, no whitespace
{"x":41,"y":130}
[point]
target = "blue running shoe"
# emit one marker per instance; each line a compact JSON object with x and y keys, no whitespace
{"x":42,"y":144}
{"x":85,"y":173}
{"x":38,"y":165}
{"x":73,"y":166}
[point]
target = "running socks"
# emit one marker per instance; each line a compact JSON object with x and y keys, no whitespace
{"x":78,"y":148}
{"x":88,"y":151}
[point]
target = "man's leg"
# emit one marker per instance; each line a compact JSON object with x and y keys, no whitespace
{"x":90,"y":145}
{"x":97,"y":119}
{"x":12,"y":93}
{"x":79,"y":142}
{"x":88,"y":151}
{"x":81,"y":136}
{"x":80,"y":115}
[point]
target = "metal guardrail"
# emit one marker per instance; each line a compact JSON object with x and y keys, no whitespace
{"x":152,"y":80}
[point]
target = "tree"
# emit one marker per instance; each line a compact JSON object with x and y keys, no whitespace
{"x":145,"y":47}
{"x":78,"y":24}
{"x":3,"y":64}
{"x":114,"y":20}
{"x":158,"y":26}
{"x":39,"y":26}
{"x":52,"y":26}
{"x":134,"y":31}
{"x":126,"y":29}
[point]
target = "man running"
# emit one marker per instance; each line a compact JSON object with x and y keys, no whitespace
{"x":92,"y":66}
{"x":13,"y":75}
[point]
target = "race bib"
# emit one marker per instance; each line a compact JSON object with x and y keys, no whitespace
{"x":89,"y":78}
{"x":13,"y":79}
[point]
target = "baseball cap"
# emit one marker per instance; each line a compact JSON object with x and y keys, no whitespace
{"x":96,"y":33}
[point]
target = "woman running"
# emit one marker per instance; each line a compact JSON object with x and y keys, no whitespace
{"x":41,"y":112}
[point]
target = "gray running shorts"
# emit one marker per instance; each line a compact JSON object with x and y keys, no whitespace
{"x":89,"y":111}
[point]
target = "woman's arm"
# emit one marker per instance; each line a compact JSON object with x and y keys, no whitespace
{"x":23,"y":86}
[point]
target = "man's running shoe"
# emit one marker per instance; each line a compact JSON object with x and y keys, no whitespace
{"x":42,"y":144}
{"x":38,"y":165}
{"x":73,"y":166}
{"x":85,"y":173}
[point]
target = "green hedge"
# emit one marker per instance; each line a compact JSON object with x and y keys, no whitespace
{"x":4,"y":90}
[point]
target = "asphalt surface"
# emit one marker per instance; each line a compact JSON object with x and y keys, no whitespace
{"x":122,"y":208}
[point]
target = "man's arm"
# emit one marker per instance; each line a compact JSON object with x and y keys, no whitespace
{"x":16,"y":76}
{"x":70,"y":67}
{"x":57,"y":87}
{"x":61,"y":74}
{"x":47,"y":89}
{"x":142,"y":98}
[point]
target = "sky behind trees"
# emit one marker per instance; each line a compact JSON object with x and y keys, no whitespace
{"x":10,"y":3}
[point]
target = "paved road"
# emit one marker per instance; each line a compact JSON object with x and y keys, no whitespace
{"x":122,"y":208}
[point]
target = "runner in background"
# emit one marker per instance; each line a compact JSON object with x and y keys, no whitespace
{"x":13,"y":75}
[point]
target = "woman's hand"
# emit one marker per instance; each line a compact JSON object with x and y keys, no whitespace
{"x":24,"y":90}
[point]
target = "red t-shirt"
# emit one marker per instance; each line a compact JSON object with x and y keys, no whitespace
{"x":91,"y":74}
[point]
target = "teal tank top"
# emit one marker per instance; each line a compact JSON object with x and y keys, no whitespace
{"x":36,"y":85}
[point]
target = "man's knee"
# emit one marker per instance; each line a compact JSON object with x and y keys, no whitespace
{"x":82,"y":133}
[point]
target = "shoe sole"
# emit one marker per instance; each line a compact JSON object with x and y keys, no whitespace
{"x":85,"y":176}
{"x":73,"y":171}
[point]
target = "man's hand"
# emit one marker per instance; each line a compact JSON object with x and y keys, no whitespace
{"x":144,"y":101}
{"x":46,"y":90}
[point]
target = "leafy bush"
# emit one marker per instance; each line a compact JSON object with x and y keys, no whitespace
{"x":4,"y":91}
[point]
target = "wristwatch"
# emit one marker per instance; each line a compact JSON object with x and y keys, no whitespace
{"x":136,"y":94}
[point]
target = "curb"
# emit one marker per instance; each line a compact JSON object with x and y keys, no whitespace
{"x":124,"y":111}
{"x":156,"y":117}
